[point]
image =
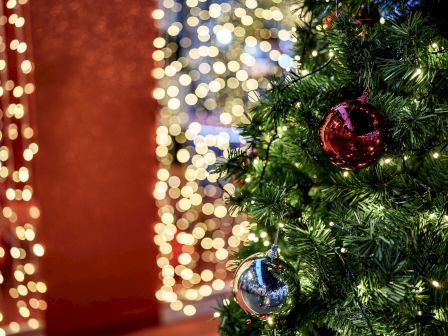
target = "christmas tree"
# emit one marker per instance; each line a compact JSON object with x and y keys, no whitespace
{"x":345,"y":172}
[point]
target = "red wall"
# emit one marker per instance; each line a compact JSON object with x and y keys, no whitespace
{"x":96,"y":164}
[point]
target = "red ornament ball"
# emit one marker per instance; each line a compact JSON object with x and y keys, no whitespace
{"x":353,"y":134}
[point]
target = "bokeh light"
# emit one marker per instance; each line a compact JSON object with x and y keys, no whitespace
{"x":19,"y":249}
{"x":209,"y":58}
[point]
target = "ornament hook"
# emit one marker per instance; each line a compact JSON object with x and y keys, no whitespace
{"x":273,"y":252}
{"x":365,"y":97}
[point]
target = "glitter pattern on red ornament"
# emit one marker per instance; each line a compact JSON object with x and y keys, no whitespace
{"x":353,"y":134}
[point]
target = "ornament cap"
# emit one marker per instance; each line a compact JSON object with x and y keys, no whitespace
{"x":273,"y":252}
{"x":365,"y":97}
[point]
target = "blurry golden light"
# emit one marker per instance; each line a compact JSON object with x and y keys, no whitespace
{"x":18,"y":91}
{"x":22,"y":290}
{"x":4,"y":153}
{"x":165,"y":248}
{"x":15,"y":252}
{"x":218,"y":243}
{"x":205,"y":290}
{"x":218,"y":284}
{"x":183,"y":155}
{"x":186,"y":274}
{"x":43,"y":305}
{"x":18,"y":172}
{"x":176,"y":305}
{"x":30,"y":234}
{"x":19,"y":275}
{"x":14,"y":327}
{"x":13,"y":293}
{"x":222,"y":254}
{"x":26,"y":66}
{"x":25,"y":312}
{"x":189,"y":310}
{"x":14,"y":43}
{"x":38,"y":250}
{"x":34,"y":212}
{"x":206,"y":275}
{"x":196,"y":74}
{"x":29,"y":88}
{"x":41,"y":287}
{"x":33,"y":323}
{"x":184,"y":259}
{"x":191,"y":294}
{"x":220,"y":211}
{"x":206,"y":243}
{"x":23,"y":174}
{"x":11,"y":4}
{"x":28,"y":154}
{"x":198,"y":232}
{"x":29,"y":268}
{"x":158,"y":14}
{"x":10,"y":194}
{"x":158,"y":93}
{"x":32,"y":286}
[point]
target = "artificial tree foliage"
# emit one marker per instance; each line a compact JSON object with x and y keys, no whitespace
{"x":369,"y":246}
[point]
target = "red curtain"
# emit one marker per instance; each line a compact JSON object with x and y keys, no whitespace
{"x":96,"y":163}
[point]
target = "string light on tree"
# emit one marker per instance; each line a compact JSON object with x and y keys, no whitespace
{"x":368,"y":245}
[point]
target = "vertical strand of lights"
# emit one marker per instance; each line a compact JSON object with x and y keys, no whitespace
{"x":21,"y":300}
{"x":209,"y":60}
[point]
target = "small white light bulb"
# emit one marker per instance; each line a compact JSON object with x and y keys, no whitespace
{"x":435,"y":284}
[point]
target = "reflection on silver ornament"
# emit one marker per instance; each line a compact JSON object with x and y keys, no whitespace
{"x":265,"y":285}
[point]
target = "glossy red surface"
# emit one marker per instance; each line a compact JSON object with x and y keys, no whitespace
{"x":353,"y":135}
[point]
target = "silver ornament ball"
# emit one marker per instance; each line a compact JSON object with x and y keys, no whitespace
{"x":265,"y":285}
